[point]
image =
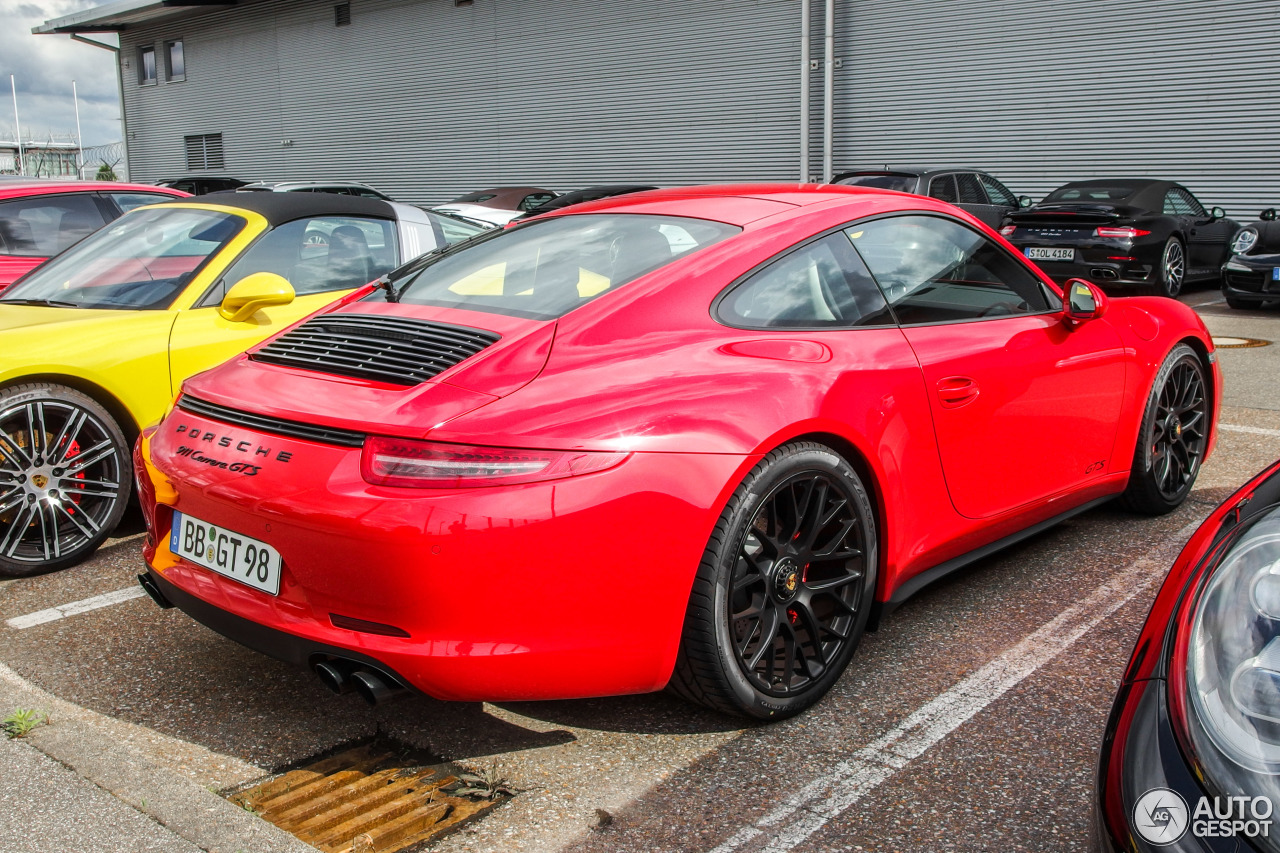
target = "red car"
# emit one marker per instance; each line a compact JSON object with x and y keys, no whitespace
{"x":696,"y":437}
{"x":40,"y":218}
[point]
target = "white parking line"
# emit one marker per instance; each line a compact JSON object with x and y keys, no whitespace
{"x":1248,"y":429}
{"x":84,"y":606}
{"x":827,"y":797}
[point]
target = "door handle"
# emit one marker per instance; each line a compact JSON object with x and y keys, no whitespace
{"x":956,"y":391}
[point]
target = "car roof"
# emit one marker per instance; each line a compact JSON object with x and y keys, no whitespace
{"x":36,"y":186}
{"x":734,"y":204}
{"x":1143,"y":192}
{"x":905,"y":170}
{"x":274,"y":184}
{"x":278,"y":208}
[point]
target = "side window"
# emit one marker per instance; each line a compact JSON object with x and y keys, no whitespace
{"x":820,"y":284}
{"x":185,"y":186}
{"x":943,"y":188}
{"x":998,"y":192}
{"x":43,"y":226}
{"x":128,"y":201}
{"x":971,"y":191}
{"x":175,"y":63}
{"x":1171,"y":205}
{"x":1194,"y":207}
{"x":147,"y":65}
{"x":317,"y":255}
{"x":529,"y":202}
{"x":934,"y":270}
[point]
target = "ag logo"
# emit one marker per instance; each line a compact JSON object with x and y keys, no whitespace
{"x":1160,"y":816}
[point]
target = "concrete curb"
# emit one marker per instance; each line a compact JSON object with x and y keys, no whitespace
{"x":82,"y":741}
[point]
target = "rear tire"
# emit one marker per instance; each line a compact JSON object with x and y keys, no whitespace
{"x":1173,"y":269}
{"x":784,"y":589}
{"x":65,"y":478}
{"x":1173,"y":436}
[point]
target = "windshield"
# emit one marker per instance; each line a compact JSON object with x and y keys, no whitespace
{"x":897,"y":183}
{"x":141,"y":261}
{"x":1094,"y":192}
{"x":547,"y":268}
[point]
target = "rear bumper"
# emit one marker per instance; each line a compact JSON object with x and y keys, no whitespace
{"x":560,"y":589}
{"x":1103,"y":273}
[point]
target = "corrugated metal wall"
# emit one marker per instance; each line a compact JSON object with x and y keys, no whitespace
{"x":1046,"y":92}
{"x":427,"y":100}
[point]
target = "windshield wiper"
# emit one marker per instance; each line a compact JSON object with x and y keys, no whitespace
{"x":53,"y":303}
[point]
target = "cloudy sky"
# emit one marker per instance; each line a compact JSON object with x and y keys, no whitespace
{"x":43,"y":68}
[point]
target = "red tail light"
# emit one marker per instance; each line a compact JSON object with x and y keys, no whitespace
{"x":435,"y":465}
{"x":1007,"y":230}
{"x":1121,"y":232}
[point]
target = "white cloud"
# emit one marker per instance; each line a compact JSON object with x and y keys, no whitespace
{"x":43,"y":67}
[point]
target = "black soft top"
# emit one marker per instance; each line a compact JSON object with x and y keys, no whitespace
{"x":278,"y":208}
{"x":1145,"y":193}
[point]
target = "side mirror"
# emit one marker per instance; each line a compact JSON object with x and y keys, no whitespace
{"x":1025,"y":201}
{"x":1218,"y":213}
{"x":1084,"y":301}
{"x":1268,"y":215}
{"x":253,"y":293}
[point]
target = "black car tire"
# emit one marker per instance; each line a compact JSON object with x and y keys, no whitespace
{"x":65,"y":478}
{"x":1173,"y":268}
{"x":1173,"y":436}
{"x":795,"y":551}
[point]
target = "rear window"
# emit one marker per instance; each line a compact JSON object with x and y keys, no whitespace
{"x":1099,"y":192}
{"x":897,"y":183}
{"x":546,"y":269}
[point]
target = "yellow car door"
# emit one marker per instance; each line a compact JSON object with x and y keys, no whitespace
{"x":321,"y":258}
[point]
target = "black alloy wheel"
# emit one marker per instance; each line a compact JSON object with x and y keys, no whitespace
{"x":64,"y":478}
{"x":1173,"y":437}
{"x":783,"y":594}
{"x":1173,"y":268}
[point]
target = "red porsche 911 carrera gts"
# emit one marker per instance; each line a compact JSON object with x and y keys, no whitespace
{"x":700,"y":438}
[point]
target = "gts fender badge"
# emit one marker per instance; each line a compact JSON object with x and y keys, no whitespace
{"x":238,"y":467}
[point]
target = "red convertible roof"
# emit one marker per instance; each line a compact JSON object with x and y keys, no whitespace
{"x":20,"y":187}
{"x":735,"y":204}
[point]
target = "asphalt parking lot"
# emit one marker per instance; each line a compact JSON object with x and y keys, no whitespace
{"x":970,"y":721}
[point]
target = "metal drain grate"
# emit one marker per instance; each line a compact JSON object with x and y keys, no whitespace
{"x":1238,"y":343}
{"x":375,"y":798}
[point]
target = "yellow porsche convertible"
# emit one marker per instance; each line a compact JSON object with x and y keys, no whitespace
{"x":95,"y":343}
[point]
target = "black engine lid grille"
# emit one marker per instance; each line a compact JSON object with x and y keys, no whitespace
{"x":266,"y":423}
{"x":377,"y":347}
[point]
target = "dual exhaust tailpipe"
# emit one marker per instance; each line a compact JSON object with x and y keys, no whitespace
{"x":344,"y":676}
{"x":1103,"y":272}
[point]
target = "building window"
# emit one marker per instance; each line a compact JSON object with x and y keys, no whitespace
{"x":342,"y":15}
{"x":147,"y":65}
{"x":204,"y":151}
{"x":175,"y":65}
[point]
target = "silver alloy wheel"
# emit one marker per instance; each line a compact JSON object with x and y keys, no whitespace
{"x":62,"y":483}
{"x":1173,"y":267}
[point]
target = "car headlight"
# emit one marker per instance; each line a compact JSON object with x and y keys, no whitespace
{"x":1244,"y":241}
{"x":1233,"y":668}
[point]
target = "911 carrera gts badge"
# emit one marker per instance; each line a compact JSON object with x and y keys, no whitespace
{"x":244,"y":468}
{"x":39,"y":480}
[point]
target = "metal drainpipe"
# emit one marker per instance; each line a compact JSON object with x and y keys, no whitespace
{"x":829,"y":93}
{"x":804,"y":91}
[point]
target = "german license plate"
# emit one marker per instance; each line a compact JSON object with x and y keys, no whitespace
{"x":226,"y":552}
{"x":1037,"y":253}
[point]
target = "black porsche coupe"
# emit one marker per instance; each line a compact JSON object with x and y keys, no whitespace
{"x":1142,"y":235}
{"x":1251,"y":275}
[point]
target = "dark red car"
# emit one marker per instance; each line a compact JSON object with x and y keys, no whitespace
{"x":40,"y":218}
{"x":698,"y":437}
